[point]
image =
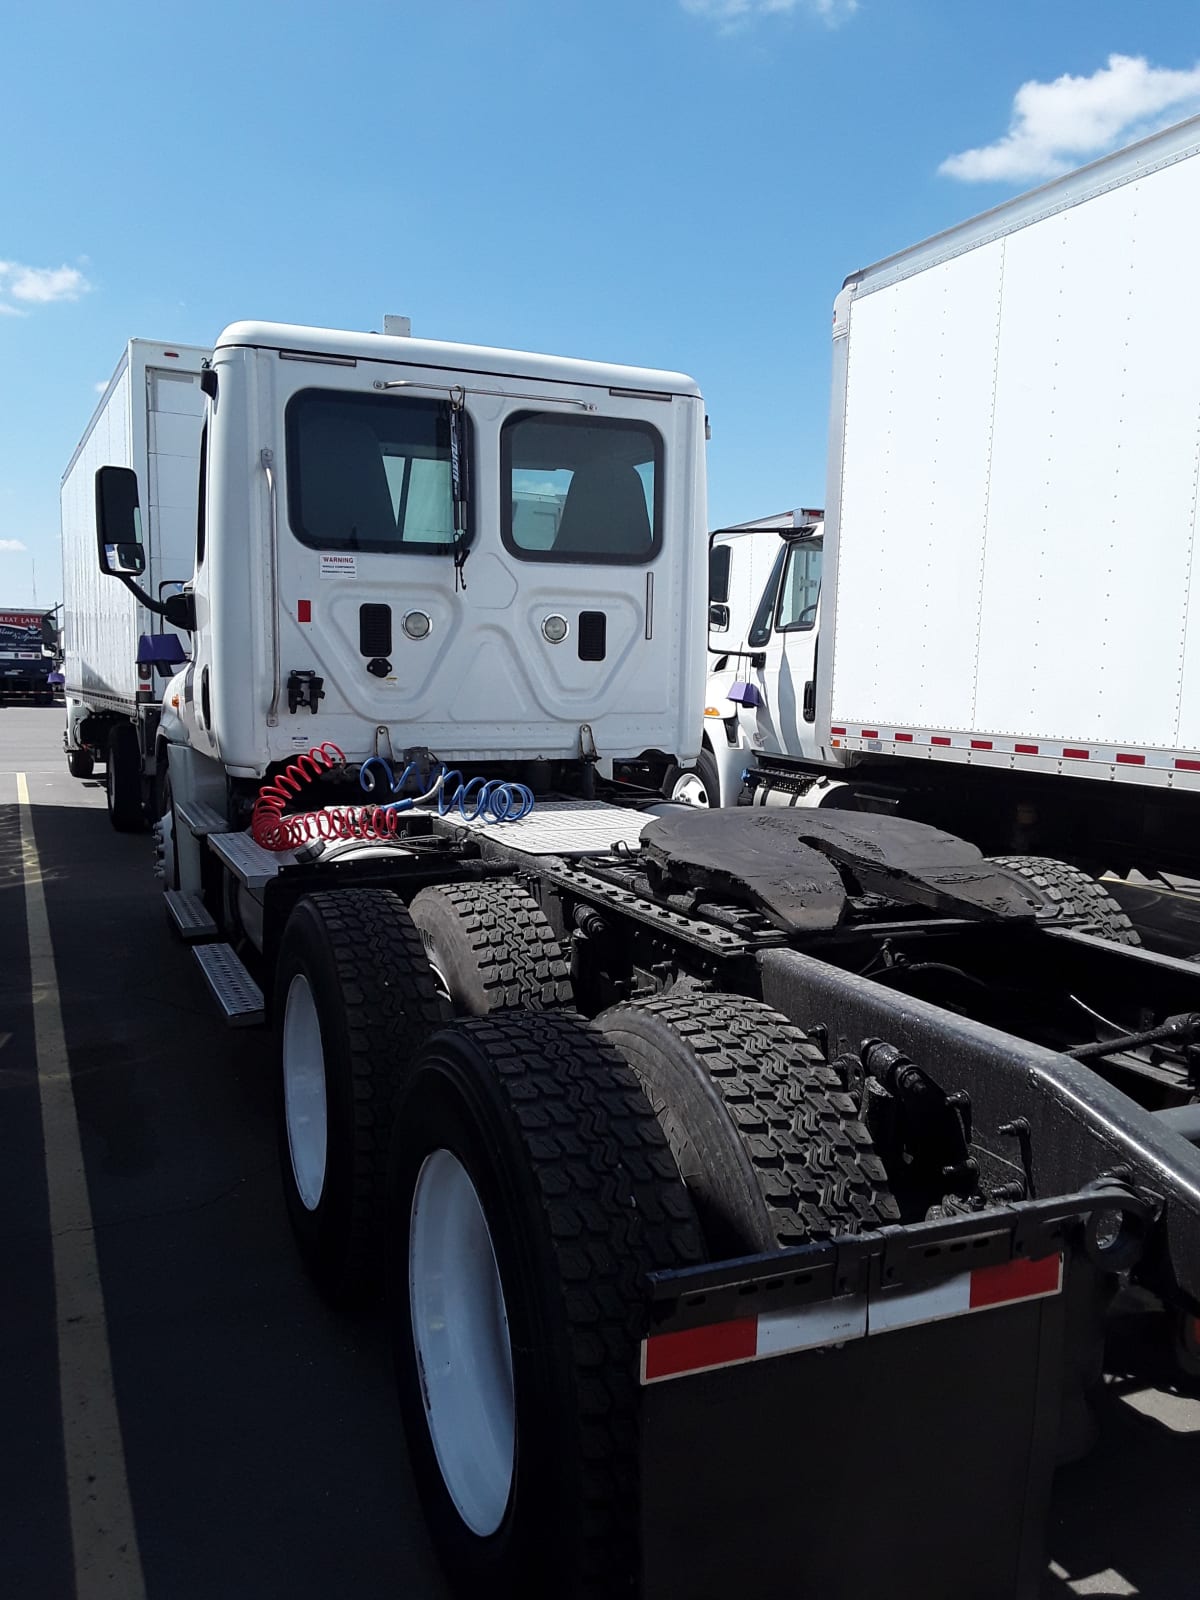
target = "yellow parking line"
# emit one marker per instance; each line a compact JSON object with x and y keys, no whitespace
{"x":108,"y":1564}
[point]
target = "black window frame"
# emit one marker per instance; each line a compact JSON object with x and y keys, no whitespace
{"x":374,"y":403}
{"x":790,"y":548}
{"x":202,"y":496}
{"x":571,"y":558}
{"x":764,"y":616}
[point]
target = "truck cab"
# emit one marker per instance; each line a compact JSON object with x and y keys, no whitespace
{"x":764,"y":626}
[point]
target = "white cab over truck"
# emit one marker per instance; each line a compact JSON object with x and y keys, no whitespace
{"x":1006,"y":641}
{"x":683,"y":1135}
{"x":119,"y":652}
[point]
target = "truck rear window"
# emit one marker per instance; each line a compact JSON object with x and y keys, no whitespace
{"x":369,"y":472}
{"x":580,"y":488}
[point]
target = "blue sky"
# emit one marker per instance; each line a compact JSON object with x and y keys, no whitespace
{"x":679,"y":183}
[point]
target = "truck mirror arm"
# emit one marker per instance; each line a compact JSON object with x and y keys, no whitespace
{"x":178,"y":609}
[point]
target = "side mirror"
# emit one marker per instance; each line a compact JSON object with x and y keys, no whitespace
{"x":180,"y":611}
{"x":718,"y":618}
{"x":119,"y":523}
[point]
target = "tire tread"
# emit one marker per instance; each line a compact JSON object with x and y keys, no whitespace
{"x":814,"y":1161}
{"x":519,"y":961}
{"x":1070,"y":893}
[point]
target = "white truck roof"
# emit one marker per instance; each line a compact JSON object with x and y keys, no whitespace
{"x":454,"y":357}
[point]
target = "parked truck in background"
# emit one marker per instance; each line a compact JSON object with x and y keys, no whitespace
{"x":685,"y":1135}
{"x":28,"y":657}
{"x":993,"y":628}
{"x":117,"y":652}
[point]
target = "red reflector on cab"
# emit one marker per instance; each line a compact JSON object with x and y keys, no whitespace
{"x":939,"y":739}
{"x":1076,"y":755}
{"x":838,"y":730}
{"x":303,"y":610}
{"x":870,"y":733}
{"x":1130,"y":760}
{"x":1026,"y":749}
{"x":981,"y":744}
{"x":1187,"y":766}
{"x":904,"y":738}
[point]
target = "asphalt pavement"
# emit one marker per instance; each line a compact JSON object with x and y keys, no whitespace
{"x":255,"y":1447}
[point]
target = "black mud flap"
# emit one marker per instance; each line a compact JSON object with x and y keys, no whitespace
{"x":874,"y":1416}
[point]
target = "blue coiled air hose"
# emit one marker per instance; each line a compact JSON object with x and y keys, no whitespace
{"x":492,"y":799}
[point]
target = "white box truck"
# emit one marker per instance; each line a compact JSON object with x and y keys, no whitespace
{"x":690,"y":1133}
{"x":118,"y":651}
{"x":1007,"y":640}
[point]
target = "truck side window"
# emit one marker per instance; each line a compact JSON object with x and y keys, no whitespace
{"x":580,"y":489}
{"x":202,"y":499}
{"x":760,"y":628}
{"x":369,"y":472}
{"x":801,"y":588}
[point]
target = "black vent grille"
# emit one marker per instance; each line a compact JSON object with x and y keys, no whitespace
{"x":593,"y":630}
{"x":375,"y":630}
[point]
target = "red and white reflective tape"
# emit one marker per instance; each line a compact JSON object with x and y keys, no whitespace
{"x":830,"y":1322}
{"x":1154,"y":760}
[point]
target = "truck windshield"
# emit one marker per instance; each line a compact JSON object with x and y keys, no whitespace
{"x":370,"y":472}
{"x":580,"y":488}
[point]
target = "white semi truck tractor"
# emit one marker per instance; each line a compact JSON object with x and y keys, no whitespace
{"x":716,"y":1163}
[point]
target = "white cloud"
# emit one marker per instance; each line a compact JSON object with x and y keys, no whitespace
{"x":1056,"y":126}
{"x":101,"y":387}
{"x":10,"y":546}
{"x":731,"y":14}
{"x":38,"y":286}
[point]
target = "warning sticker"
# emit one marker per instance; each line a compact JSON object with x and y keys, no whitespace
{"x":336,"y":565}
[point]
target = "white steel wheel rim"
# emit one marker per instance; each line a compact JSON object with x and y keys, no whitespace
{"x":460,"y":1334}
{"x":304,"y":1092}
{"x":690,"y":788}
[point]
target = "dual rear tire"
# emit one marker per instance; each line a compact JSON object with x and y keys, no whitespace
{"x":541,"y":1166}
{"x":519,"y":1174}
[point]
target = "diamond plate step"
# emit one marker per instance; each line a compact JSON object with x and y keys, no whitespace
{"x":235,"y":991}
{"x":190,"y":915}
{"x":247,"y":860}
{"x":200,"y":819}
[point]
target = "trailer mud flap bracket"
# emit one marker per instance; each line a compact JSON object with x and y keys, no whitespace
{"x":777,"y":1333}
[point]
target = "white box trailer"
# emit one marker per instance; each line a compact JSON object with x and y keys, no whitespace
{"x":1015,"y":447}
{"x":117,"y":652}
{"x":1008,"y":549}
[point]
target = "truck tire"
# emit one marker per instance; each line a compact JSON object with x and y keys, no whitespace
{"x":695,"y":786}
{"x":80,"y":763}
{"x":355,"y":1001}
{"x":123,"y":779}
{"x":530,"y":1191}
{"x":770,"y":1146}
{"x":491,"y":948}
{"x":1070,"y":893}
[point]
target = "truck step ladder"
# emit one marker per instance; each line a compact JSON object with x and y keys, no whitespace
{"x":235,"y":991}
{"x":189,"y":915}
{"x":200,"y":819}
{"x":247,"y":860}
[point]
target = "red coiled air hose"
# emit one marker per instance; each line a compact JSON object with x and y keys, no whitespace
{"x":270,"y":829}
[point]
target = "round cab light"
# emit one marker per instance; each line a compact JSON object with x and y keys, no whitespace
{"x":554,"y":629}
{"x":417,"y":625}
